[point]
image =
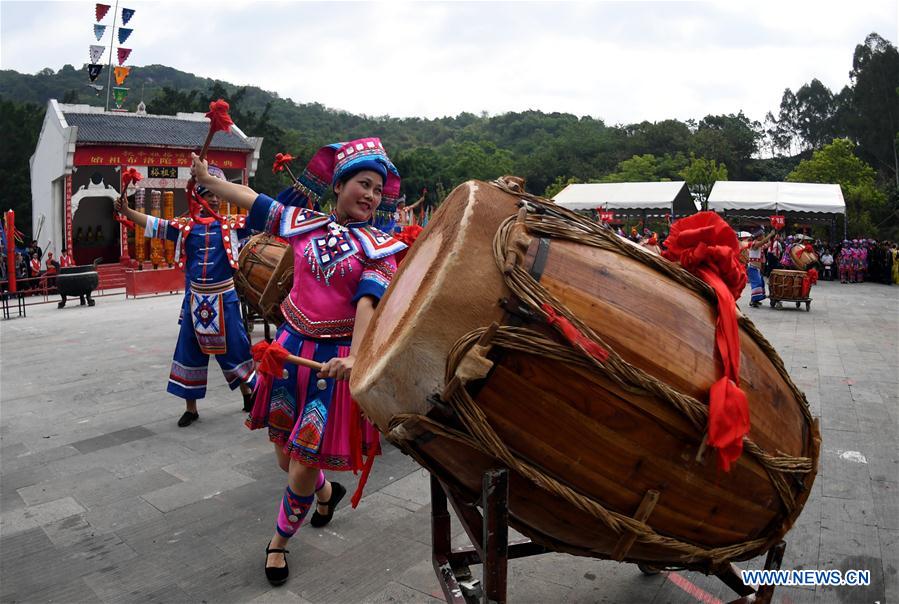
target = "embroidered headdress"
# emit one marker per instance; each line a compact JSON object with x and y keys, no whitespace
{"x":213,"y":171}
{"x":337,"y":160}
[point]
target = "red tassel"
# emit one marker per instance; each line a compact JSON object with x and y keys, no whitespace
{"x":218,"y":116}
{"x":270,"y":358}
{"x":128,"y":223}
{"x":573,"y":334}
{"x":705,"y":245}
{"x":357,"y":495}
{"x":196,"y":202}
{"x":130,"y":176}
{"x":281,"y":161}
{"x":810,"y":279}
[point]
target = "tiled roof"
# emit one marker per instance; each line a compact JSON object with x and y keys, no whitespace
{"x":122,"y":129}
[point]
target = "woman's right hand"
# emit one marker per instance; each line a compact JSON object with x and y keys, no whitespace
{"x":199,"y":168}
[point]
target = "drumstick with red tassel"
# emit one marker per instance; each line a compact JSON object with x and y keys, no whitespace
{"x":219,"y":121}
{"x":128,"y":176}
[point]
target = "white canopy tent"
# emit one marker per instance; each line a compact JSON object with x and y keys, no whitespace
{"x":629,"y":197}
{"x":813,"y":202}
{"x":777,"y":197}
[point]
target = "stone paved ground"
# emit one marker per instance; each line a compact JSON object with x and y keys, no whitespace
{"x":105,"y":499}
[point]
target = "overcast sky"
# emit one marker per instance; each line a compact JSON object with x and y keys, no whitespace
{"x":622,"y":62}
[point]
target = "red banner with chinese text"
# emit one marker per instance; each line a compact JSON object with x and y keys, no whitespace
{"x":778,"y":221}
{"x":149,"y":156}
{"x":606,"y":216}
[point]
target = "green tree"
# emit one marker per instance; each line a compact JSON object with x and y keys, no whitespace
{"x":875,"y":103}
{"x":21,"y":125}
{"x":729,"y":139}
{"x":701,"y":175}
{"x":639,"y":168}
{"x":837,"y":163}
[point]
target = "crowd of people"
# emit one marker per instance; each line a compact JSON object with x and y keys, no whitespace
{"x":35,"y":271}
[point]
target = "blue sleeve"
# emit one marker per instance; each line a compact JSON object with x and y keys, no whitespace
{"x":265,"y":215}
{"x":376,"y":276}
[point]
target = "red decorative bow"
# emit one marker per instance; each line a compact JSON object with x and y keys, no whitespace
{"x":281,"y":161}
{"x":573,"y":334}
{"x":270,"y":358}
{"x":408,"y":236}
{"x":705,"y":245}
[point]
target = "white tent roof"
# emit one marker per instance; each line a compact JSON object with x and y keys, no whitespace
{"x":624,"y":196}
{"x":777,"y":196}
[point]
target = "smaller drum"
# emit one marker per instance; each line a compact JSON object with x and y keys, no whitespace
{"x":79,"y":280}
{"x":265,"y":275}
{"x":787,"y":285}
{"x":802,"y":257}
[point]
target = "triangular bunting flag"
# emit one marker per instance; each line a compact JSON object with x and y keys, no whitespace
{"x":96,"y":53}
{"x":124,"y":53}
{"x":120,"y":74}
{"x":93,"y":71}
{"x":99,"y":30}
{"x":119,"y":94}
{"x":124,"y":32}
{"x":101,"y":11}
{"x":127,"y":13}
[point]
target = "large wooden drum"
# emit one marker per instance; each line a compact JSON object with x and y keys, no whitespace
{"x":587,"y":443}
{"x":787,"y":285}
{"x":802,"y":257}
{"x":265,"y":275}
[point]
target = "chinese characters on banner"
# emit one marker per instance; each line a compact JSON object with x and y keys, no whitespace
{"x":778,"y":221}
{"x":606,"y":216}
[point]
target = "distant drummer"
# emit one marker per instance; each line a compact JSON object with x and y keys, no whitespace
{"x":210,"y":315}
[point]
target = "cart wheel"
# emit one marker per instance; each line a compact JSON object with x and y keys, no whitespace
{"x":648,"y":570}
{"x":808,"y":307}
{"x":798,"y":304}
{"x":773,"y":302}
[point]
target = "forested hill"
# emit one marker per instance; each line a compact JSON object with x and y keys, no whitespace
{"x":548,"y":149}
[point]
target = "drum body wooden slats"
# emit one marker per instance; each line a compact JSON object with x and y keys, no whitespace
{"x":786,"y":284}
{"x":604,"y":441}
{"x":265,"y":275}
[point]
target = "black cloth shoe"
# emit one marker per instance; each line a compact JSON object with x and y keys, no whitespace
{"x":276,"y":575}
{"x":337,"y":493}
{"x":248,"y":402}
{"x":187,"y":419}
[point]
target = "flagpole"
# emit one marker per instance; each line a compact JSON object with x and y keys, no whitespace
{"x":115,"y":14}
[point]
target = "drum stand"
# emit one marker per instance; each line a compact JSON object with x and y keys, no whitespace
{"x":489,"y":532}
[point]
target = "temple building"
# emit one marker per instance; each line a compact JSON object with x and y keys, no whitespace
{"x":77,"y":165}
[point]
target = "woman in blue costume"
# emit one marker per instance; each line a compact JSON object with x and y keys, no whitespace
{"x":210,"y":315}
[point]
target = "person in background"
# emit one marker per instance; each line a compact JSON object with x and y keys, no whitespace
{"x":827,"y":263}
{"x":66,"y":259}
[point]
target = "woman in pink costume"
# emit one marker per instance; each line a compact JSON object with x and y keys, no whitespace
{"x":342,"y":266}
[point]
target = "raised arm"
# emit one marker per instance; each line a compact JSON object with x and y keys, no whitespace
{"x":763,"y":240}
{"x":233,"y":192}
{"x":139,"y":218}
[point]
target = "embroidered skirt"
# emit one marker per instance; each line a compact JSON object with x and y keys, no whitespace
{"x":756,"y":282}
{"x":322,"y":428}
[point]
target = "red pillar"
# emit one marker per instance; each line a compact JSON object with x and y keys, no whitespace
{"x":11,"y":249}
{"x":67,"y":236}
{"x":124,"y":258}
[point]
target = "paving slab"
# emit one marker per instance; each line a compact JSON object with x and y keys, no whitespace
{"x":127,"y":507}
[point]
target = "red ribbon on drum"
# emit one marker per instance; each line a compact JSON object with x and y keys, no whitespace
{"x":707,"y":246}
